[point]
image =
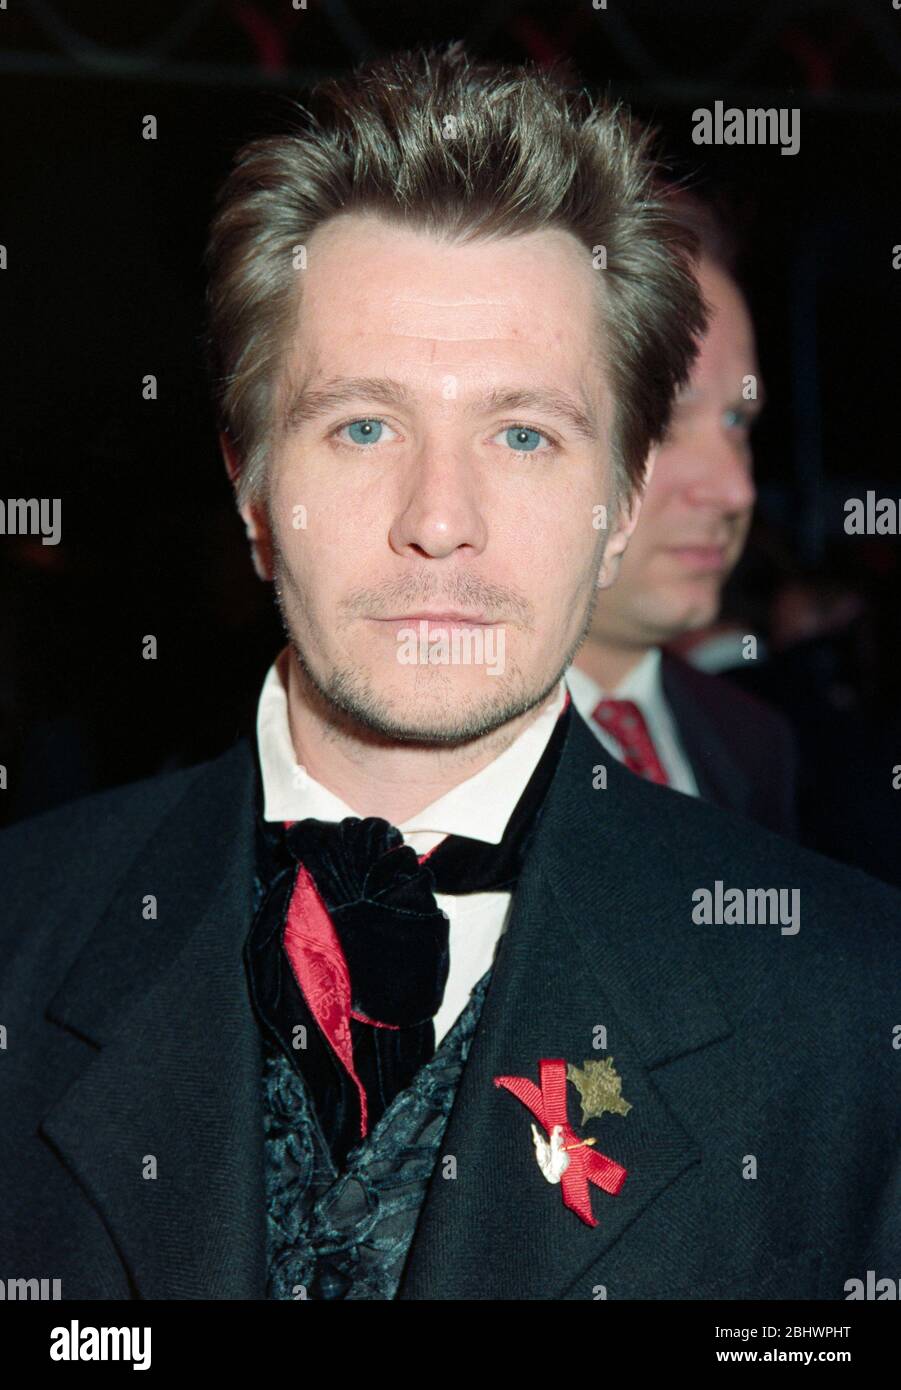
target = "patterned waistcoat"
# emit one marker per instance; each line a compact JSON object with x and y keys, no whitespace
{"x":347,"y":1234}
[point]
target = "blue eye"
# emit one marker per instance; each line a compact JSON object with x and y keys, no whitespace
{"x":737,"y":419}
{"x":365,"y":431}
{"x":523,"y":439}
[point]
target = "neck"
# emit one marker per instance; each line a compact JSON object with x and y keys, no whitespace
{"x":372,"y":774}
{"x":607,"y":663}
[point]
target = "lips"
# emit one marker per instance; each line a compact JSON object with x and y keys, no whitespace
{"x":475,"y":619}
{"x":700,"y":558}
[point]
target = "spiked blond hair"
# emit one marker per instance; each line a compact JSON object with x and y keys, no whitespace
{"x":463,"y":150}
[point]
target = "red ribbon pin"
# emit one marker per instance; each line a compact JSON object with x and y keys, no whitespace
{"x":586,"y":1165}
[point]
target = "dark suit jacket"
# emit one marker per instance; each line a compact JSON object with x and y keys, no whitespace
{"x":130,"y":1040}
{"x":742,"y":751}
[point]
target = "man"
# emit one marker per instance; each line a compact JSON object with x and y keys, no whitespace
{"x":414,"y":999}
{"x":665,"y":719}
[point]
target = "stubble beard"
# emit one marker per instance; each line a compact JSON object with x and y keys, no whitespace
{"x":346,"y":698}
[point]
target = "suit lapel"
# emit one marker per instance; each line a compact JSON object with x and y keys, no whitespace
{"x":721,"y":780}
{"x":176,"y":1082}
{"x":586,"y":946}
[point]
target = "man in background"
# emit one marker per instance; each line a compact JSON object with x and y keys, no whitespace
{"x":663,"y":718}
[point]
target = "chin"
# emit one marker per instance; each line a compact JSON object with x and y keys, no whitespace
{"x":666,"y":624}
{"x":431,"y":705}
{"x":697,"y":618}
{"x":695,"y":607}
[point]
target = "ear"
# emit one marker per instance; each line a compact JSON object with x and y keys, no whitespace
{"x":627,"y":520}
{"x":253,"y":514}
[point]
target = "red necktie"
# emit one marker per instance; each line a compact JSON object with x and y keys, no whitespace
{"x":625,"y":721}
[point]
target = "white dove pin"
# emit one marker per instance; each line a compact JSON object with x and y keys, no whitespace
{"x":553,"y":1160}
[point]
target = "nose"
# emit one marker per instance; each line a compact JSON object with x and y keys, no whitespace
{"x":441,"y":508}
{"x":723,"y":474}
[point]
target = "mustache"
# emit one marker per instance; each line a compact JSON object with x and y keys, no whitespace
{"x":409,"y":593}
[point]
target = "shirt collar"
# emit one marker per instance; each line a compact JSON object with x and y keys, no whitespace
{"x":643,"y":684}
{"x":478,"y":808}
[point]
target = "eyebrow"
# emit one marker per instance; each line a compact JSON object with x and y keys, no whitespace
{"x":304,"y":404}
{"x":689,"y":398}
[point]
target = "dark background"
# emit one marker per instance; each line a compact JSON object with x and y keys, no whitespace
{"x":104,"y":234}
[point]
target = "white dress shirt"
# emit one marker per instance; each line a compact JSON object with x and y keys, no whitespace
{"x":479,"y":808}
{"x":644,"y":686}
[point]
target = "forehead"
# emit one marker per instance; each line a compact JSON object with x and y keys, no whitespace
{"x":377,"y":299}
{"x":729,"y":342}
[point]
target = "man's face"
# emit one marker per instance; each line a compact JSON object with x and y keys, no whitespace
{"x":397,"y":504}
{"x":698,"y":503}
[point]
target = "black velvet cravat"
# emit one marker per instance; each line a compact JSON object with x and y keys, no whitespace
{"x":394,"y":937}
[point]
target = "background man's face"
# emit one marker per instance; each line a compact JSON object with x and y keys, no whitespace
{"x":427,"y":498}
{"x":698,"y":505}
